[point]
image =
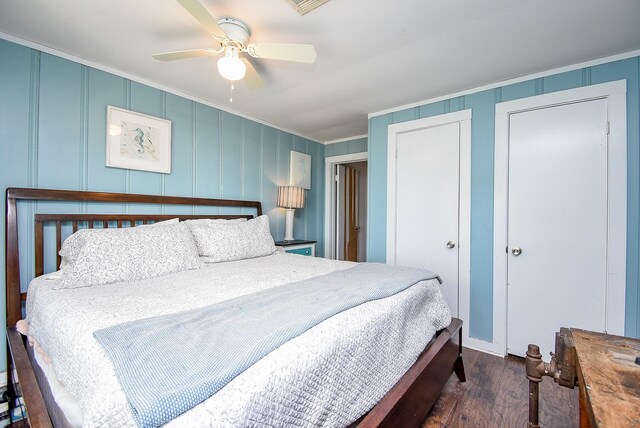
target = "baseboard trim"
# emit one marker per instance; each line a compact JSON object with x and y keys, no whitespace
{"x":482,"y":346}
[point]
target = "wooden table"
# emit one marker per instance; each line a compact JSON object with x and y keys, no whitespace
{"x":608,"y":378}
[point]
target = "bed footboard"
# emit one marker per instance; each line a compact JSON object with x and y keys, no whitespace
{"x":21,"y":380}
{"x":406,"y":404}
{"x":409,"y":401}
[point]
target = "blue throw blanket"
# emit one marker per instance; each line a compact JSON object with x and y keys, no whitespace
{"x":169,"y":364}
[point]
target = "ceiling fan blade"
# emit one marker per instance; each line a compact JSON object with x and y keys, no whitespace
{"x":202,"y":15}
{"x":251,"y":77}
{"x":283,"y":51}
{"x":192,"y":53}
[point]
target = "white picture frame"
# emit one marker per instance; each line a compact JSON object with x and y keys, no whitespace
{"x":138,"y":141}
{"x":300,"y":170}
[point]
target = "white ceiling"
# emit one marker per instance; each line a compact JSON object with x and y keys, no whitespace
{"x":372,"y":55}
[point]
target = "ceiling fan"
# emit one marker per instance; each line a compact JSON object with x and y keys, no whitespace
{"x":233,"y":35}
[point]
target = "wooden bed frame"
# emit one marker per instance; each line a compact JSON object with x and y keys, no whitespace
{"x":406,"y":404}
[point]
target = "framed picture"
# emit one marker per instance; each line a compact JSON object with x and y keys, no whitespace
{"x":138,"y":141}
{"x":300,"y":170}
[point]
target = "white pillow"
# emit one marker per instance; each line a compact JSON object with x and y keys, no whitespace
{"x":226,"y":241}
{"x":103,"y":256}
{"x":64,"y":262}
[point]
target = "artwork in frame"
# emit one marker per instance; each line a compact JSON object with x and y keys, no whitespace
{"x":138,"y":141}
{"x":300,"y":170}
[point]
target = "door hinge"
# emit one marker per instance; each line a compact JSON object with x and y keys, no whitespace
{"x":608,"y":127}
{"x":336,"y":177}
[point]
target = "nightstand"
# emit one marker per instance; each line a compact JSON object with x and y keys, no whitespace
{"x":306,"y":248}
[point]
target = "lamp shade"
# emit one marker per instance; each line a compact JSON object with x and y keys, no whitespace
{"x":290,"y":197}
{"x":230,"y":66}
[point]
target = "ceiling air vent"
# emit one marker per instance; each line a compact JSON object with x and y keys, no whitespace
{"x":304,"y":6}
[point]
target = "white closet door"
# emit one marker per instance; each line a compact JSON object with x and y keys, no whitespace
{"x":427,"y":194}
{"x":557,"y":218}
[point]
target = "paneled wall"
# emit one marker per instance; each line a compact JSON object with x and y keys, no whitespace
{"x":357,"y":145}
{"x":52,"y":135}
{"x":482,"y":158}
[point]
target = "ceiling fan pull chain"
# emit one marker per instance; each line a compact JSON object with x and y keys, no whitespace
{"x":232,"y":88}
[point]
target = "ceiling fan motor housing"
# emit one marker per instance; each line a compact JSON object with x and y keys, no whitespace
{"x":235,"y":29}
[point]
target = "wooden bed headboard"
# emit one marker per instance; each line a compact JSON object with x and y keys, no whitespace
{"x":13,"y":293}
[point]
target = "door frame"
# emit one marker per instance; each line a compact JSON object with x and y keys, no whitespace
{"x":463,"y":118}
{"x":615,"y":92}
{"x":330,"y":197}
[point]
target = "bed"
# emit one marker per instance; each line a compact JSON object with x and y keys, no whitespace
{"x":402,"y":403}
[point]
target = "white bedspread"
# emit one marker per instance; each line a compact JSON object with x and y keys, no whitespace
{"x":328,"y":376}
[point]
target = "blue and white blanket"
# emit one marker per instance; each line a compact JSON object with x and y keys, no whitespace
{"x":169,"y":364}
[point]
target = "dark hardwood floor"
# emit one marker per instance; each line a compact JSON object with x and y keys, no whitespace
{"x":496,"y":395}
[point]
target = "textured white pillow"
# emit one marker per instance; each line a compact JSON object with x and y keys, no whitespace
{"x":103,"y":256}
{"x":226,"y":241}
{"x":72,"y":249}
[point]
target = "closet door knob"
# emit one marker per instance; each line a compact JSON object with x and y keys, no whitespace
{"x":451,"y":244}
{"x":516,"y":251}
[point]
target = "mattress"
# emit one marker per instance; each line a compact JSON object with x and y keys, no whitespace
{"x":328,"y":376}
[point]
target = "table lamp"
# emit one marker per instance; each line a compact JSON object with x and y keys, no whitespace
{"x":290,"y":197}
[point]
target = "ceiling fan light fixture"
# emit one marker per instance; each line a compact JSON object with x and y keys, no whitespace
{"x":230,"y":66}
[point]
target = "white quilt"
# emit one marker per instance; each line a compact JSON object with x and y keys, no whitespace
{"x":328,"y":376}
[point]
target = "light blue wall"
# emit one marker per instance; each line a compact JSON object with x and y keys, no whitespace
{"x":357,"y":145}
{"x":482,"y":154}
{"x":52,"y":135}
